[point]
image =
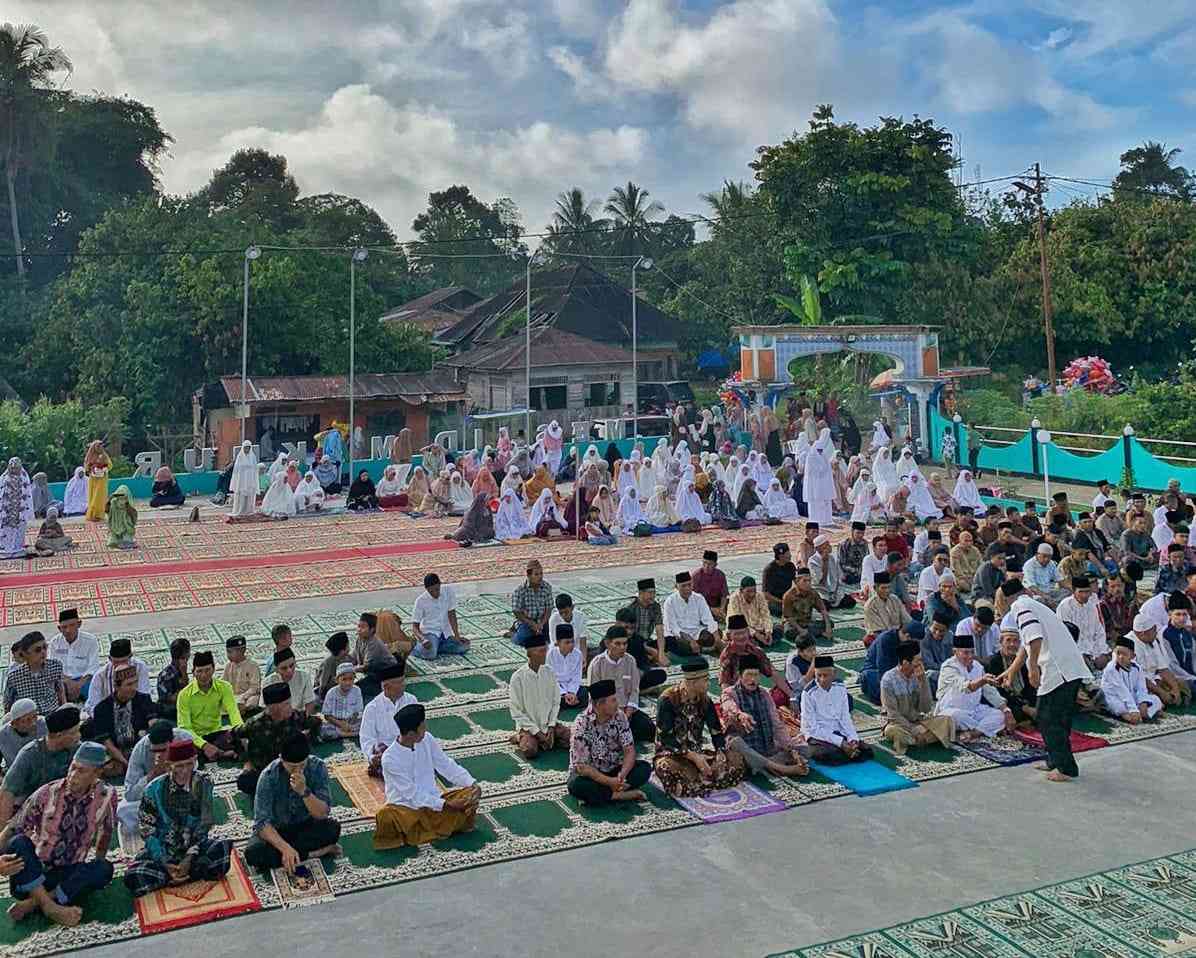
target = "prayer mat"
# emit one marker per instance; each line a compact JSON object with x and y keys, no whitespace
{"x":731,"y":804}
{"x":368,"y":794}
{"x":308,"y":885}
{"x":198,"y":901}
{"x":1080,"y":742}
{"x":865,"y":778}
{"x":1005,"y":750}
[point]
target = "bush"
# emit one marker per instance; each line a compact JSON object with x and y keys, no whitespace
{"x":991,"y":407}
{"x":52,"y":437}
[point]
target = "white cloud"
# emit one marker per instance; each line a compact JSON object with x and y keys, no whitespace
{"x":589,"y":84}
{"x":1058,"y":38}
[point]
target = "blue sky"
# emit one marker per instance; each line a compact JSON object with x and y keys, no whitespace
{"x":390,"y":99}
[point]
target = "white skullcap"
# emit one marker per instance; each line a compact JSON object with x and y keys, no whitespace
{"x":21,"y":708}
{"x":1142,"y":623}
{"x":1044,"y":549}
{"x":821,"y":540}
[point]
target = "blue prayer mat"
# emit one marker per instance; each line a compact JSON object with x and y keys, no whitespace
{"x":865,"y":778}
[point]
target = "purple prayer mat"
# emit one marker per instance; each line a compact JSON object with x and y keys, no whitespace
{"x":731,"y":804}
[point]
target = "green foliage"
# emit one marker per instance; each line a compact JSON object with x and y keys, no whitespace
{"x":991,"y":407}
{"x":1151,"y":168}
{"x":52,"y":438}
{"x":449,"y":228}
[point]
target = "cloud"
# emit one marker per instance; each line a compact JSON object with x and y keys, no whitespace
{"x":1058,"y":38}
{"x":589,"y":84}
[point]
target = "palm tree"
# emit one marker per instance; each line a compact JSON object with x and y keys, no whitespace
{"x":728,"y":201}
{"x":574,"y":228}
{"x":1151,"y":168}
{"x":632,"y":213}
{"x":27,"y":67}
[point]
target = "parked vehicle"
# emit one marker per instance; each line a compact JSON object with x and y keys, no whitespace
{"x":654,"y":397}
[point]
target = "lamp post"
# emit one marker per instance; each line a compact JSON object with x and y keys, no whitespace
{"x":251,"y":253}
{"x":533,"y":260}
{"x":956,"y":420}
{"x":360,"y":255}
{"x":642,"y":263}
{"x":1044,"y":437}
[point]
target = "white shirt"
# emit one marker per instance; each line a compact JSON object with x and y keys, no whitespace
{"x":581,"y":629}
{"x":566,"y":668}
{"x":1086,"y":618}
{"x":1162,"y":536}
{"x":78,"y":658}
{"x":534,"y":699}
{"x":303,"y":693}
{"x":952,"y":688}
{"x":986,"y":640}
{"x":1059,"y":659}
{"x":1155,"y":610}
{"x":410,"y":773}
{"x":431,"y":615}
{"x":824,"y":714}
{"x":928,"y":582}
{"x":871,"y":566}
{"x":1152,"y":657}
{"x":1124,"y":691}
{"x":378,"y":726}
{"x":101,"y":683}
{"x":689,"y":617}
{"x":1099,"y":500}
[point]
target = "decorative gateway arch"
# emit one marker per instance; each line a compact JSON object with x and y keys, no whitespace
{"x":765,"y":353}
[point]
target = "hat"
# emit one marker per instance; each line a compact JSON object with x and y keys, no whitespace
{"x":1081,"y":582}
{"x":203,"y":658}
{"x":296,"y":748}
{"x":21,"y":708}
{"x":282,"y":655}
{"x":161,"y":732}
{"x":181,"y":750}
{"x":942,"y":618}
{"x":784,"y":546}
{"x":1124,"y":643}
{"x":695,"y":666}
{"x":1142,"y":623}
{"x":747,"y":582}
{"x":396,"y":671}
{"x":963,"y":642}
{"x":602,"y":689}
{"x":345,"y":668}
{"x":907,"y":650}
{"x":1004,"y":524}
{"x":68,"y":615}
{"x":276,"y":693}
{"x":1174,"y":548}
{"x":1134,"y":571}
{"x":536,"y":641}
{"x":564,"y":631}
{"x":124,"y":673}
{"x":62,"y":718}
{"x":1085,"y":515}
{"x":369,"y":619}
{"x":821,"y":540}
{"x":682,"y":577}
{"x":804,"y":570}
{"x":1059,"y":497}
{"x":737,"y":621}
{"x":235,"y":642}
{"x":91,"y":755}
{"x":1011,"y":587}
{"x":710,"y":555}
{"x":984,"y":614}
{"x":337,"y":642}
{"x":120,"y":649}
{"x":411,"y":717}
{"x":859,"y":525}
{"x":881,"y":578}
{"x":1178,"y":600}
{"x":824,"y":662}
{"x":1044,"y":549}
{"x":749,"y":661}
{"x":645,"y":584}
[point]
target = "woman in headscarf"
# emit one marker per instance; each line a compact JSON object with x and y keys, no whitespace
{"x":849,"y":434}
{"x":96,"y":464}
{"x":626,"y":479}
{"x":292,"y":474}
{"x":742,"y":476}
{"x":279,"y":465}
{"x":510,"y":522}
{"x":701,"y":481}
{"x":606,"y":504}
{"x":591,"y":477}
{"x":166,"y":491}
{"x":333,"y":445}
{"x":540,"y":481}
{"x":437,"y":502}
{"x":577,"y":507}
{"x":363,"y":496}
{"x":244,"y":484}
{"x":433,"y":458}
{"x":763,"y":473}
{"x":467,"y":465}
{"x":16,"y":510}
{"x":41,"y":495}
{"x":660,"y":510}
{"x":919,"y":498}
{"x":554,"y":443}
{"x":591,"y":456}
{"x":522,"y":462}
{"x":672,"y":475}
{"x":513,"y":483}
{"x":630,"y":513}
{"x":389,"y":490}
{"x":866,"y":505}
{"x":839,"y":475}
{"x":478,"y":523}
{"x":328,"y":473}
{"x":689,"y":503}
{"x":611,"y":457}
{"x":417,"y":488}
{"x":404,"y":447}
{"x":309,"y":497}
{"x":940,"y":496}
{"x":545,"y":519}
{"x":966,"y":493}
{"x":661,"y":455}
{"x":645,"y":482}
{"x":74,"y":500}
{"x":51,"y":538}
{"x":819,"y":484}
{"x":484,"y":484}
{"x":719,"y":505}
{"x":279,"y":500}
{"x":779,"y":505}
{"x":747,"y":503}
{"x":772,"y":436}
{"x":880,"y":436}
{"x":884,"y":473}
{"x":898,"y":502}
{"x":122,"y":519}
{"x":906,"y":464}
{"x":460,"y":497}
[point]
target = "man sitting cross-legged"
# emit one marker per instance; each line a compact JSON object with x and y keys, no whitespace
{"x":202,"y":705}
{"x":291,"y":820}
{"x":52,"y":834}
{"x":121,"y":719}
{"x":146,"y":763}
{"x":602,"y":763}
{"x":826,"y":721}
{"x":1124,"y":686}
{"x":534,"y":700}
{"x":909,"y":705}
{"x":967,"y":694}
{"x":416,"y":811}
{"x":378,"y":727}
{"x":342,"y":706}
{"x":754,"y":727}
{"x":177,"y":811}
{"x":266,"y":731}
{"x":1019,"y":694}
{"x":689,"y":625}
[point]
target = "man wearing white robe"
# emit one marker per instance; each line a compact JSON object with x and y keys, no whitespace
{"x":1124,"y":685}
{"x":244,"y":483}
{"x":967,"y":693}
{"x":819,"y":483}
{"x":826,"y":720}
{"x":689,"y":626}
{"x":378,"y":729}
{"x":534,"y":701}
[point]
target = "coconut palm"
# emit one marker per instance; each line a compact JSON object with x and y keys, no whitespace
{"x":27,"y":67}
{"x":574,"y":227}
{"x":633,"y":214}
{"x":731,"y":199}
{"x":1151,"y":168}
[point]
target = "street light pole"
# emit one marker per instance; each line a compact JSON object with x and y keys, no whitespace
{"x":645,"y":263}
{"x":1044,"y":437}
{"x":359,"y":256}
{"x":532,"y":260}
{"x":251,"y":253}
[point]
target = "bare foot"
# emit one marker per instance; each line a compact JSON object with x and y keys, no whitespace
{"x":1057,"y":776}
{"x":328,"y":851}
{"x":1041,"y":767}
{"x":18,"y":911}
{"x":628,"y":795}
{"x":67,"y":915}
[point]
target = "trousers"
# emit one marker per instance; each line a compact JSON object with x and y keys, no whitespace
{"x":305,"y":837}
{"x":1056,"y":710}
{"x":146,"y":874}
{"x":67,"y":883}
{"x":594,"y":793}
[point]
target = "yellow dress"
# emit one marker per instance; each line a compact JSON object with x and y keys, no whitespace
{"x":97,"y":495}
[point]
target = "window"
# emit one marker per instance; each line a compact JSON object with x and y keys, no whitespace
{"x":549,"y":397}
{"x":602,"y":394}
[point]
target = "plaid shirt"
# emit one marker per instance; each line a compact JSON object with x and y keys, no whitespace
{"x":647,"y":618}
{"x":347,"y":708}
{"x":170,"y":683}
{"x":42,"y":687}
{"x":533,"y":603}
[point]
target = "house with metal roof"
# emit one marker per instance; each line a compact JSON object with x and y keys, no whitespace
{"x":434,"y":311}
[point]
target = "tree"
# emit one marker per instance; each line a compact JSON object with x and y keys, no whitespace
{"x":256,"y":188}
{"x":1151,"y":168}
{"x":632,"y":213}
{"x":465,"y":242}
{"x":28,"y":65}
{"x":575,"y":227}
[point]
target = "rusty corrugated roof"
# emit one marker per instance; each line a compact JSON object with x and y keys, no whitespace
{"x":415,"y":388}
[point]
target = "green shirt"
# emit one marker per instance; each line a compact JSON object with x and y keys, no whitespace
{"x":201,"y":713}
{"x":34,"y":766}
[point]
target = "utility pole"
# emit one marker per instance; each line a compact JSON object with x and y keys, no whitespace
{"x":1037,"y":191}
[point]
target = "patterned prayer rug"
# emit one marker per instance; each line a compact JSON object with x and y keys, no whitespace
{"x":1080,"y":742}
{"x":744,"y":800}
{"x":1006,"y":750}
{"x":198,"y":901}
{"x":307,"y":885}
{"x":366,"y":793}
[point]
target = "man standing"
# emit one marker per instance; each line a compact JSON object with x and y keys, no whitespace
{"x":711,"y":584}
{"x":966,"y":694}
{"x":908,"y":704}
{"x":176,"y":814}
{"x":826,"y":721}
{"x":602,"y":763}
{"x":1056,"y":669}
{"x":378,"y":727}
{"x":52,"y":835}
{"x":689,"y":626}
{"x":202,"y":706}
{"x":291,"y":806}
{"x":434,"y":621}
{"x":79,"y":653}
{"x":534,"y":700}
{"x":532,"y":604}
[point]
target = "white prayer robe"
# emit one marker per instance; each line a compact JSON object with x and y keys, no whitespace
{"x":509,"y":521}
{"x":410,"y":773}
{"x":627,"y":478}
{"x":378,"y":726}
{"x":689,"y":617}
{"x":244,"y":483}
{"x":660,"y":508}
{"x":74,"y":500}
{"x":534,"y":699}
{"x":966,"y":493}
{"x":645,"y":482}
{"x":825,"y":716}
{"x":1125,"y":690}
{"x":819,"y":484}
{"x":880,"y":437}
{"x":968,"y":708}
{"x":884,"y":474}
{"x":689,"y":503}
{"x":279,"y":500}
{"x":1086,"y":617}
{"x":920,"y":500}
{"x":309,"y":494}
{"x":779,"y":505}
{"x":630,"y":513}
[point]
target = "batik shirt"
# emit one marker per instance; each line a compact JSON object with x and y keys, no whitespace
{"x":173,"y":818}
{"x":599,"y":744}
{"x":63,"y":827}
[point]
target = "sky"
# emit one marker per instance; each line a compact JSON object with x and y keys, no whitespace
{"x":388,"y":100}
